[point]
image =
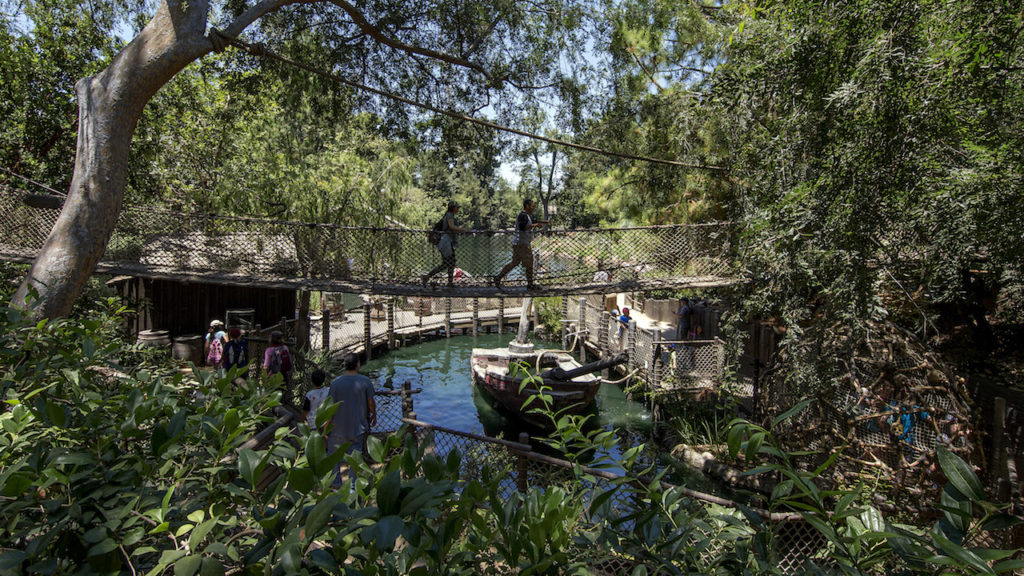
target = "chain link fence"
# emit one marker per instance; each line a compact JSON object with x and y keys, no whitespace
{"x":518,"y":468}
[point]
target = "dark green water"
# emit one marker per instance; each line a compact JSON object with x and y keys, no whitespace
{"x":449,"y":398}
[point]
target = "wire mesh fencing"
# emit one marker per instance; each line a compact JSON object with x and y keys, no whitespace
{"x":712,"y":521}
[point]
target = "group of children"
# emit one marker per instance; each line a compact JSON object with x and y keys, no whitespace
{"x":224,"y":351}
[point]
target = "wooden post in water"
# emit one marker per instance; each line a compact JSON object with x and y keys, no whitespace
{"x":406,"y":399}
{"x":447,"y":317}
{"x":476,"y":316}
{"x":325,"y":324}
{"x":391,"y":322}
{"x":501,"y":314}
{"x":367,"y":333}
{"x":522,"y":478}
{"x":581,"y":330}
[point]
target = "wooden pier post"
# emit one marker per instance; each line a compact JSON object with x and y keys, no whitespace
{"x":325,"y":324}
{"x":391,"y":322}
{"x":367,"y":333}
{"x":476,"y":316}
{"x":447,"y":317}
{"x":501,"y":314}
{"x":522,"y":477}
{"x":565,"y":322}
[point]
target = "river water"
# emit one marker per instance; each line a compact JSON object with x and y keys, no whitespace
{"x":441,"y":368}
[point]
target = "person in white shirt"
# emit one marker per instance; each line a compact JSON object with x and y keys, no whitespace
{"x":315,"y":397}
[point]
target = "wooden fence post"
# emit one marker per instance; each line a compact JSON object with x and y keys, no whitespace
{"x":565,"y":322}
{"x":367,"y":333}
{"x":658,"y":366}
{"x":325,"y":325}
{"x":522,"y":477}
{"x":602,"y":334}
{"x":391,"y":323}
{"x":630,"y":346}
{"x":581,"y":330}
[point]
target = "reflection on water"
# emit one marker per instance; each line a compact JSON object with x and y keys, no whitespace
{"x":449,"y":398}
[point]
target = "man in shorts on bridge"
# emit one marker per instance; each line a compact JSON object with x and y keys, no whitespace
{"x":522,"y":251}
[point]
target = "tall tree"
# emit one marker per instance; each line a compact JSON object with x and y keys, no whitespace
{"x":432,"y":51}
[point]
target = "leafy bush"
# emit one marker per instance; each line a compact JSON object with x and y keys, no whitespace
{"x":108,"y":468}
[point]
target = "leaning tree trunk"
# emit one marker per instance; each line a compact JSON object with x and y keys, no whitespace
{"x":109,"y":107}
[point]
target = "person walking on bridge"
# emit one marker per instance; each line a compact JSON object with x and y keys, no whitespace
{"x":446,"y":246}
{"x":522,"y":251}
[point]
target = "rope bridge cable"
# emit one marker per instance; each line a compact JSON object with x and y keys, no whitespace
{"x":33,"y":182}
{"x":261,"y":51}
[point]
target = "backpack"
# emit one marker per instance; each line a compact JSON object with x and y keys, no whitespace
{"x":216,"y":352}
{"x":435,"y":234}
{"x":236,"y":353}
{"x":280,"y":360}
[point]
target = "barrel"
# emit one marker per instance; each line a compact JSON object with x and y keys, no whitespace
{"x":154,"y":338}
{"x":188,"y":348}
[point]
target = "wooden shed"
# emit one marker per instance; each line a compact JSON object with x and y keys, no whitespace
{"x":184,"y":308}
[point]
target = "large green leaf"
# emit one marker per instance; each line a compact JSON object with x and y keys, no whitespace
{"x":960,"y":474}
{"x":387,"y":493}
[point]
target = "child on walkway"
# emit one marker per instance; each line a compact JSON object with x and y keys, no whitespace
{"x":315,"y":397}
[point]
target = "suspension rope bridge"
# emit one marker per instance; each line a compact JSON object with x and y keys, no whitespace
{"x":153,"y":243}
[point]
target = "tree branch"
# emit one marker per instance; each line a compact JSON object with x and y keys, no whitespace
{"x":256,"y":12}
{"x":375,"y":33}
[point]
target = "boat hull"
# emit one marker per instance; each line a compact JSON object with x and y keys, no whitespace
{"x":491,"y":374}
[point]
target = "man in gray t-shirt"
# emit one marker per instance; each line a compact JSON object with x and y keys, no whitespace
{"x":522,"y":252}
{"x":356,"y":412}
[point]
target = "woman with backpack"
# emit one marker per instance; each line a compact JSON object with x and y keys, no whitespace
{"x":446,"y":243}
{"x":214,"y":345}
{"x":277,"y":359}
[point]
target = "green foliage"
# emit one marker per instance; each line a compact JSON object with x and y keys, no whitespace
{"x":45,"y":47}
{"x":107,"y":467}
{"x":549,"y":310}
{"x":860,"y":540}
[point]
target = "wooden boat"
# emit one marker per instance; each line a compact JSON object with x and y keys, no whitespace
{"x":571,"y":386}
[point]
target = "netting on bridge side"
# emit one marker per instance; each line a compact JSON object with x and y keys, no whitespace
{"x":298,"y":253}
{"x":22,"y":229}
{"x":690,"y":364}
